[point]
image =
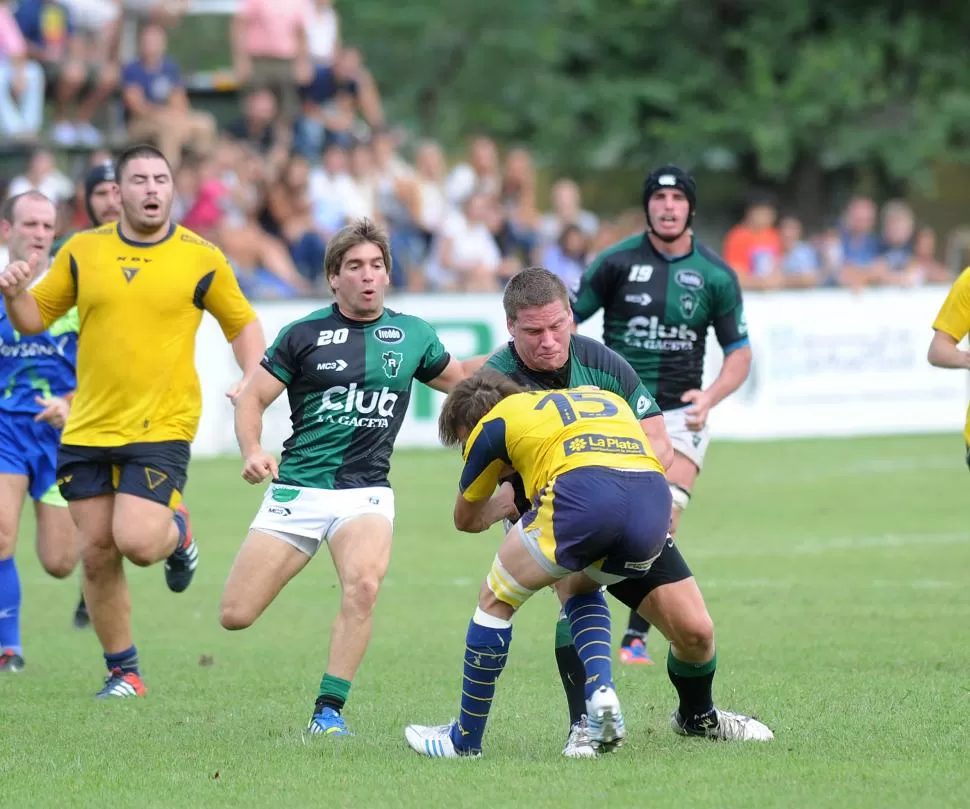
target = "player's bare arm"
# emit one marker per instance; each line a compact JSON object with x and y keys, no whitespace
{"x":261,"y":391}
{"x":248,"y":347}
{"x":475,"y":517}
{"x":473,"y":364}
{"x":655,"y":430}
{"x":453,"y":373}
{"x":945,"y":353}
{"x":736,"y":367}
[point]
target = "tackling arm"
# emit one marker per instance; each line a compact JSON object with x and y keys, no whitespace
{"x":656,"y":432}
{"x":452,"y":374}
{"x":478,"y":516}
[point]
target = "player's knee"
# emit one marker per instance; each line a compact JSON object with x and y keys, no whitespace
{"x":59,"y":563}
{"x":98,"y":560}
{"x":680,"y":497}
{"x":134,"y":547}
{"x":8,"y":542}
{"x":233,"y":615}
{"x":360,"y":592}
{"x":140,"y":544}
{"x":695,"y":633}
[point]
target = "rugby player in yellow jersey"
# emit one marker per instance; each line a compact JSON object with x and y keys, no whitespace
{"x":601,"y":510}
{"x":952,"y":324}
{"x":140,"y":286}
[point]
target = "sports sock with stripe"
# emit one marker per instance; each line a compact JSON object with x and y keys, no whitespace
{"x":9,"y":606}
{"x":486,"y":651}
{"x":589,"y":622}
{"x":127,"y":661}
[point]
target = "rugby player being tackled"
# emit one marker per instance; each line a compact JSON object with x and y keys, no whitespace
{"x":600,"y":513}
{"x":544,"y":354}
{"x":660,"y":292}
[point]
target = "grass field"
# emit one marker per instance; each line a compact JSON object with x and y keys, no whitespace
{"x":836,"y":573}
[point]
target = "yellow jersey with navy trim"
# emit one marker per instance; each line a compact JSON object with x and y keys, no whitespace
{"x":954,"y":319}
{"x":139,"y":308}
{"x":543,"y":434}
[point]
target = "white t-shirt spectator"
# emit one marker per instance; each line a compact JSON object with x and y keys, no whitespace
{"x":462,"y":182}
{"x":471,"y":246}
{"x":322,"y":32}
{"x":434,"y":207}
{"x":332,"y":199}
{"x":56,"y":187}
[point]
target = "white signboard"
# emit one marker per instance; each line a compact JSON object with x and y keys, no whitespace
{"x":826,"y":363}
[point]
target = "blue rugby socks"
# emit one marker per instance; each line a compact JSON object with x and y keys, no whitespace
{"x":486,"y":651}
{"x":589,"y":622}
{"x":9,"y":607}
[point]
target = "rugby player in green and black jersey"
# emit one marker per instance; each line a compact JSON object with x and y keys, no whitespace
{"x":660,"y":292}
{"x":544,"y":354}
{"x":348,"y":371}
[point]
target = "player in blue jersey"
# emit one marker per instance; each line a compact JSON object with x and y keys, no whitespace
{"x":37,"y":380}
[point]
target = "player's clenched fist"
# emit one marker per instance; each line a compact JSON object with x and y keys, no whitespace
{"x":258,"y":466}
{"x":17,"y":275}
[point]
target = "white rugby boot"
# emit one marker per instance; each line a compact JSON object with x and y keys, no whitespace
{"x":578,"y":744}
{"x":605,"y":720}
{"x":434,"y":741}
{"x":729,"y":727}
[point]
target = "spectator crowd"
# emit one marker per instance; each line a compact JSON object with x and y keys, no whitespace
{"x":311,"y":149}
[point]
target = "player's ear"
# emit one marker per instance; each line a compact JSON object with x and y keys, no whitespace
{"x":510,"y":324}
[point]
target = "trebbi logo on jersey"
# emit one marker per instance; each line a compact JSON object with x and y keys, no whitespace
{"x":348,"y":401}
{"x":688,"y":304}
{"x":389,"y":334}
{"x":392,"y":363}
{"x":689,"y":279}
{"x":650,"y":333}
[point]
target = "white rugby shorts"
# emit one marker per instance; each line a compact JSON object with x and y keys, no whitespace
{"x":306,"y":518}
{"x":688,"y":443}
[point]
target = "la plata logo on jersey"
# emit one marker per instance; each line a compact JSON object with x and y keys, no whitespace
{"x":354,"y":408}
{"x":392,"y":363}
{"x":389,"y":334}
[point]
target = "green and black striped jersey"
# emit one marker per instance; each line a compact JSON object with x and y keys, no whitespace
{"x":349,"y":384}
{"x":657,"y":311}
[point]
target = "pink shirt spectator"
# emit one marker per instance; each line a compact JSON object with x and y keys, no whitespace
{"x":272,"y":27}
{"x":207,"y":211}
{"x":12,"y":44}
